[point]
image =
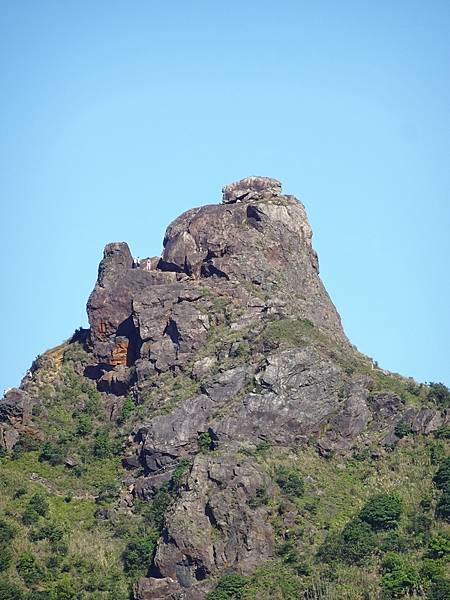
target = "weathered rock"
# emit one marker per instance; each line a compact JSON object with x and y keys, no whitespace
{"x":211,"y":526}
{"x":251,"y":188}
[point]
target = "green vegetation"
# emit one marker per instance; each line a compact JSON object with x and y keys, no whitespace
{"x":290,"y":481}
{"x":128,"y":408}
{"x":399,"y":577}
{"x":382,"y":511}
{"x":291,"y":332}
{"x":205,"y":442}
{"x":440,"y":394}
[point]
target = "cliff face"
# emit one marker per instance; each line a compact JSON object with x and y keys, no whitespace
{"x":227,"y":345}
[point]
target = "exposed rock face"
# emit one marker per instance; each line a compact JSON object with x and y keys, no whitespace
{"x":228,"y":339}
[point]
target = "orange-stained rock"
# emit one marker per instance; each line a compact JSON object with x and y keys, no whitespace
{"x":119,"y":352}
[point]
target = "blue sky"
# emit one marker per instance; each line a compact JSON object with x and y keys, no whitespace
{"x":117,"y":116}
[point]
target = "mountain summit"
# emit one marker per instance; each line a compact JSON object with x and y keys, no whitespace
{"x":219,"y":375}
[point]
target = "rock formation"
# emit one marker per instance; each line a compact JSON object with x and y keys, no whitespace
{"x":228,"y":337}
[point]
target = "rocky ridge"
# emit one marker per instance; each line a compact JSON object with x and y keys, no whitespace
{"x":226,"y":343}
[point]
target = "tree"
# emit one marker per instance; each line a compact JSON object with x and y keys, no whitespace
{"x":357,"y":541}
{"x":382,"y":511}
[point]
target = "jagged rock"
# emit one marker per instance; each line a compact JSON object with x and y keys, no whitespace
{"x":226,"y":385}
{"x":212,"y":526}
{"x":299,"y":392}
{"x":155,"y":589}
{"x":208,"y":342}
{"x":15,"y":405}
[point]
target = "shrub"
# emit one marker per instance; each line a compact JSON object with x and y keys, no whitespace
{"x":432,"y":570}
{"x":399,"y":577}
{"x":290,"y":481}
{"x":439,"y":546}
{"x":28,"y":569}
{"x":65,"y":590}
{"x":402,"y":429}
{"x":39,"y":503}
{"x":205,"y":442}
{"x":50,"y":531}
{"x":156,"y":513}
{"x":127,"y":410}
{"x":440,"y":394}
{"x":229,"y":586}
{"x":443,"y":506}
{"x":178,"y":475}
{"x":382,"y":511}
{"x":9,"y":591}
{"x":84,"y":426}
{"x":259,"y":499}
{"x":440,"y":590}
{"x":442,"y":476}
{"x":51,"y":453}
{"x":30,"y":517}
{"x":443,"y":433}
{"x":395,"y":542}
{"x":7,"y":532}
{"x":138,"y":554}
{"x":103,"y":446}
{"x":20,"y":491}
{"x":357,"y":541}
{"x":5,"y":559}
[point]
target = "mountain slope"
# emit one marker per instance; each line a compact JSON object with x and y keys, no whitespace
{"x":215,"y":432}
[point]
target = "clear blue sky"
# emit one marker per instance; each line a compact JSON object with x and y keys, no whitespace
{"x":117,"y":116}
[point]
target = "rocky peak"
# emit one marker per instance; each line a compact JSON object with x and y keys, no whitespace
{"x":255,"y":245}
{"x":206,"y":357}
{"x":251,"y":188}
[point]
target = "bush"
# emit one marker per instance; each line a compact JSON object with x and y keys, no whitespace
{"x":439,"y":546}
{"x":5,"y":559}
{"x":290,"y":481}
{"x":28,"y":569}
{"x":395,"y":542}
{"x":357,"y":542}
{"x":49,"y":531}
{"x":84,"y":426}
{"x":443,"y":506}
{"x":205,"y":442}
{"x":432,"y":570}
{"x":402,"y":429}
{"x":138,"y":554}
{"x":178,"y":475}
{"x":156,"y":513}
{"x":443,"y":433}
{"x":30,"y":517}
{"x":7,"y":532}
{"x":229,"y":586}
{"x":65,"y":590}
{"x":39,"y":503}
{"x":442,"y":476}
{"x":440,"y":590}
{"x":382,"y":511}
{"x":9,"y":591}
{"x":51,"y":453}
{"x":259,"y":499}
{"x":127,"y":410}
{"x":440,"y":394}
{"x":103,"y":446}
{"x":399,"y":577}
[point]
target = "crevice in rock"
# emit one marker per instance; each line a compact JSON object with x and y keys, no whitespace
{"x":127,"y":329}
{"x":172,"y":331}
{"x":210,"y":270}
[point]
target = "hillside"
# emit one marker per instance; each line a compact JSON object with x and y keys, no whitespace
{"x":214,"y":434}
